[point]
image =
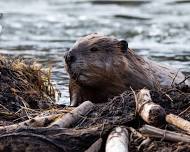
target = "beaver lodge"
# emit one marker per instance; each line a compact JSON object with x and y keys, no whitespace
{"x":136,"y":120}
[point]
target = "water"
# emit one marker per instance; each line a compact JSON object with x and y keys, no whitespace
{"x":44,"y":29}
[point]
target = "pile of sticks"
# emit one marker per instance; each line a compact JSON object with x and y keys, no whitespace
{"x":154,"y":115}
{"x":65,"y":132}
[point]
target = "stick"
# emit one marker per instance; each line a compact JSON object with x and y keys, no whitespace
{"x":34,"y":122}
{"x":71,"y":118}
{"x":178,"y":122}
{"x":145,"y":142}
{"x":151,"y":131}
{"x":150,"y":112}
{"x":95,"y":147}
{"x":118,"y":140}
{"x":136,"y":133}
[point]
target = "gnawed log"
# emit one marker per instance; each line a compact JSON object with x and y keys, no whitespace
{"x":71,"y":118}
{"x":178,"y":122}
{"x":34,"y":122}
{"x":150,"y":112}
{"x":118,"y":140}
{"x":151,"y":131}
{"x":95,"y":147}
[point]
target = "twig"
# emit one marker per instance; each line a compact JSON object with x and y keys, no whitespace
{"x":136,"y":133}
{"x":135,"y":99}
{"x":144,"y":143}
{"x":175,"y":77}
{"x":4,"y":107}
{"x":187,"y":77}
{"x":188,"y":108}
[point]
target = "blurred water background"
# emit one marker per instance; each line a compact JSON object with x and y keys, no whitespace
{"x":44,"y":29}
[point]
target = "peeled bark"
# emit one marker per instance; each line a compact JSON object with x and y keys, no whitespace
{"x":178,"y":122}
{"x":118,"y":140}
{"x":150,"y":112}
{"x":74,"y":116}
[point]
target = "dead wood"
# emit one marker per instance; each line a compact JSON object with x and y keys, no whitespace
{"x":136,"y":133}
{"x":145,"y":142}
{"x":151,"y":131}
{"x":95,"y":147}
{"x":118,"y":140}
{"x":149,"y":111}
{"x":64,"y":139}
{"x":178,"y":122}
{"x":34,"y":122}
{"x":70,"y":119}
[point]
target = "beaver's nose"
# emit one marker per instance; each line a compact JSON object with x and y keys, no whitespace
{"x":69,"y":58}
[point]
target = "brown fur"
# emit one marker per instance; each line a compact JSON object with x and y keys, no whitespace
{"x":99,"y":75}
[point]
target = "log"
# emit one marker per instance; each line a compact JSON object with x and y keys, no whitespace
{"x":68,"y":139}
{"x":151,"y":131}
{"x":150,"y":112}
{"x":74,"y":116}
{"x":178,"y":122}
{"x":95,"y":147}
{"x":118,"y":140}
{"x":34,"y":122}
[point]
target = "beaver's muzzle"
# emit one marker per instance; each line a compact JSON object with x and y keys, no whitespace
{"x":69,"y":58}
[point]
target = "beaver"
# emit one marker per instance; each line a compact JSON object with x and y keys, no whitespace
{"x":101,"y":67}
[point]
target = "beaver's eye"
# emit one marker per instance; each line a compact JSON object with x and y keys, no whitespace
{"x":94,"y":49}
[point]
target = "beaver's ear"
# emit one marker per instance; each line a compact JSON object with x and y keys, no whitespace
{"x":123,"y":45}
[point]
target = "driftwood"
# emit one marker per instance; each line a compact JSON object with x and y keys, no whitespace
{"x":95,"y":147}
{"x":178,"y":122}
{"x":118,"y":140}
{"x":71,"y":118}
{"x":149,"y":111}
{"x":151,"y":131}
{"x":34,"y":122}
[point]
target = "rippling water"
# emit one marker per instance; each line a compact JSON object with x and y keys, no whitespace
{"x":44,"y":29}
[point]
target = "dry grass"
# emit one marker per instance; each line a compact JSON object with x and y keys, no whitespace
{"x":25,"y":87}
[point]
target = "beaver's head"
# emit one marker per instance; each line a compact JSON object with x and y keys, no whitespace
{"x":96,"y":59}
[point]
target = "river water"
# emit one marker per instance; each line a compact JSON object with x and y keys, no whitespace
{"x":44,"y":29}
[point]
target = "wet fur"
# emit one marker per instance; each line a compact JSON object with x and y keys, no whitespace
{"x":110,"y":71}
